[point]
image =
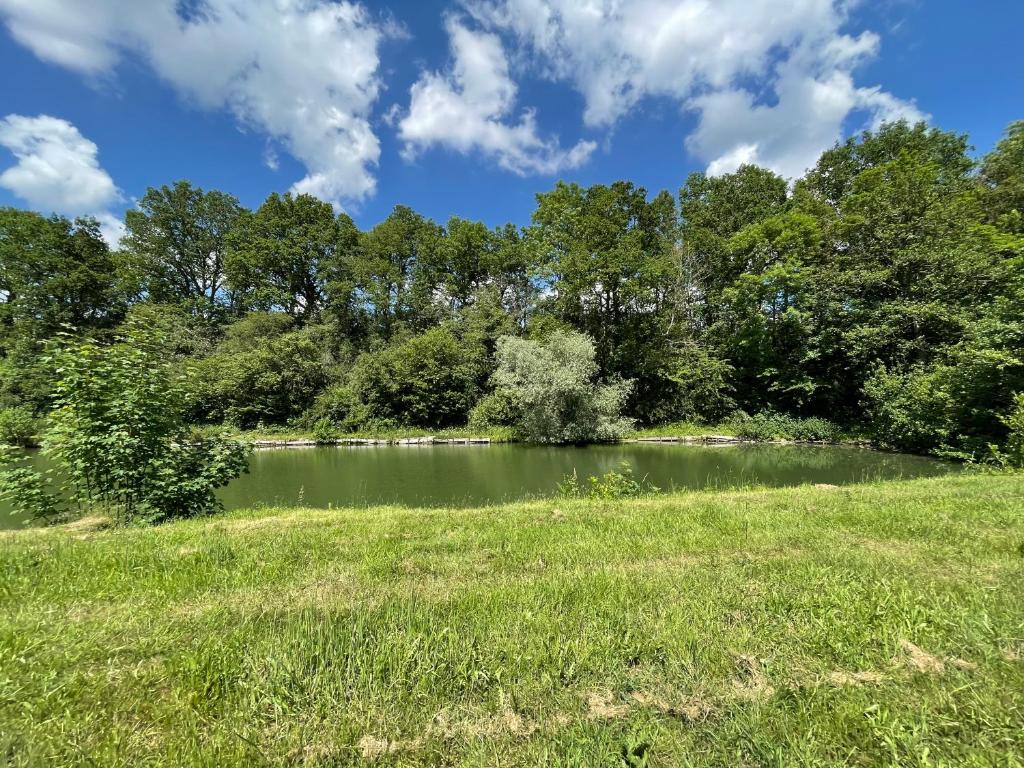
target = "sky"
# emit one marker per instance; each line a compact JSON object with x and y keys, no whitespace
{"x":471,"y":107}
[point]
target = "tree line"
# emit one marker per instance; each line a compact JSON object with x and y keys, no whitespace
{"x":883,"y":291}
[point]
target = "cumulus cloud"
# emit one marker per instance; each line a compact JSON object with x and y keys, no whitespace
{"x":788,"y":136}
{"x":771,"y":81}
{"x":303,"y":71}
{"x":57,"y":169}
{"x":470,"y":108}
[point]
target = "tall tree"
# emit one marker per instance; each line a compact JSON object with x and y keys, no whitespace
{"x":55,"y":272}
{"x":390,"y":271}
{"x":713,"y":209}
{"x":176,"y":238}
{"x":1002,"y":173}
{"x":288,"y":254}
{"x":606,"y":255}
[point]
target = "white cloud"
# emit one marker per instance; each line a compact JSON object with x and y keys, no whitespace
{"x":303,"y":71}
{"x":788,"y":136}
{"x":111,"y":227}
{"x":56,"y":168}
{"x":469,"y":108}
{"x":771,"y":81}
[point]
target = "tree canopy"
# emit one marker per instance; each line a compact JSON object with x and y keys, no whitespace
{"x":882,"y":290}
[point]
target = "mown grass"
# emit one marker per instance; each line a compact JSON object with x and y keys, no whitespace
{"x":880,"y":624}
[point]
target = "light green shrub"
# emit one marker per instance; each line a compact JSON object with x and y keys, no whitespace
{"x":553,"y":389}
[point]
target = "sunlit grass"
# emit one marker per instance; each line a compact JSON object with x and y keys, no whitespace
{"x":494,"y":434}
{"x":879,"y":624}
{"x":682,"y":429}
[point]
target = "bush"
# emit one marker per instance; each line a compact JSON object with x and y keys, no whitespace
{"x":910,"y":411}
{"x":324,"y":431}
{"x":26,"y":490}
{"x":493,"y":410}
{"x":118,"y":435}
{"x":17,"y":426}
{"x":698,"y":388}
{"x":1014,"y":421}
{"x":429,"y":380}
{"x":262,"y":372}
{"x":777,"y":426}
{"x":551,"y":386}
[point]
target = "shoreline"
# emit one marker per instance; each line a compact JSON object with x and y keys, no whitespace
{"x":430,"y":440}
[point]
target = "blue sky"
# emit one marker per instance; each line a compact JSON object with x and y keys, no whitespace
{"x":470,"y":107}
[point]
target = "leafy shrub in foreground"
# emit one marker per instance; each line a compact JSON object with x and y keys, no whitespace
{"x":26,"y":490}
{"x":117,"y":433}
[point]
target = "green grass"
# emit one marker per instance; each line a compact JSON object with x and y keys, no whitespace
{"x":681,"y":429}
{"x":693,"y":429}
{"x":495,"y":434}
{"x":879,"y":624}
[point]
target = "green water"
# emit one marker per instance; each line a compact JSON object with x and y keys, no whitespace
{"x":457,"y":475}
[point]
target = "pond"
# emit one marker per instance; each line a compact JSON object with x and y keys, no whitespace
{"x":464,"y":475}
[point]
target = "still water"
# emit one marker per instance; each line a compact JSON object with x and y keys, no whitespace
{"x":468,"y":475}
{"x":457,"y":475}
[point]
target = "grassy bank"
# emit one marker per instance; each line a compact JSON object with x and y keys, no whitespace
{"x":880,"y":624}
{"x":494,"y":434}
{"x":504,"y":434}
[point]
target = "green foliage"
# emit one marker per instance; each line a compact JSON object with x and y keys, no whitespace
{"x":176,"y":240}
{"x":26,"y":490}
{"x":263,"y":371}
{"x":18,"y":426}
{"x":911,"y":410}
{"x":54,"y":273}
{"x":897,"y":252}
{"x":392,"y":272}
{"x":1014,"y":422}
{"x":497,"y":409}
{"x":1002,"y":173}
{"x":324,"y":431}
{"x":428,"y":380}
{"x":116,"y":433}
{"x":696,"y":386}
{"x":610,"y":485}
{"x":553,"y":388}
{"x":770,"y":425}
{"x":290,"y":255}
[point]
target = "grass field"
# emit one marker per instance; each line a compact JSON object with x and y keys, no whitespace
{"x":880,"y":624}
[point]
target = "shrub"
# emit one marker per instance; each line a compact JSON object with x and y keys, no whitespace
{"x":324,"y":431}
{"x":118,"y":435}
{"x":493,"y":410}
{"x":553,"y":390}
{"x":814,"y":429}
{"x":698,"y":387}
{"x":261,"y":372}
{"x":26,"y":490}
{"x":17,"y":426}
{"x":1014,"y":421}
{"x":429,"y":380}
{"x":910,"y":411}
{"x":769,"y":425}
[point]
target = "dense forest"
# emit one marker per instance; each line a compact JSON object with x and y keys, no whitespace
{"x":883,"y":291}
